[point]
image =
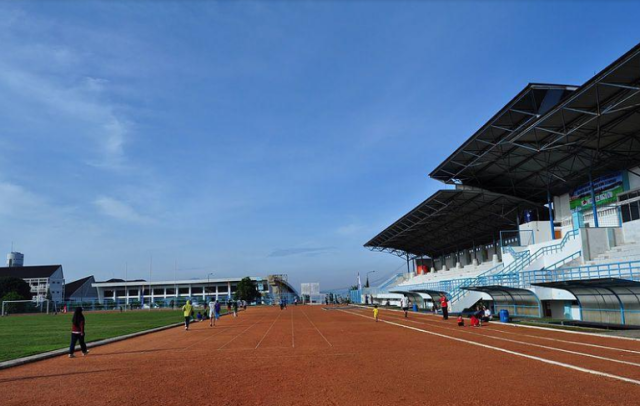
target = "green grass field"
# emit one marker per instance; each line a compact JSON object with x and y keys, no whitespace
{"x":24,"y":335}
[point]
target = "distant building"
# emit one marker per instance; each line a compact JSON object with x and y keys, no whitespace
{"x":81,"y":290}
{"x":41,"y":279}
{"x":125,"y":292}
{"x":15,"y":259}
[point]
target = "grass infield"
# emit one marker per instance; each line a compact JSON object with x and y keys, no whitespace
{"x":21,"y":336}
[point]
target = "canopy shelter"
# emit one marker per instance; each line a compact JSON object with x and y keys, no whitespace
{"x":435,"y":295}
{"x":606,"y":300}
{"x":414,"y":296}
{"x":592,"y":131}
{"x":450,"y":220}
{"x":519,"y":302}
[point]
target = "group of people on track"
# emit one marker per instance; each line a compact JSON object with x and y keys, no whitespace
{"x":482,"y":313}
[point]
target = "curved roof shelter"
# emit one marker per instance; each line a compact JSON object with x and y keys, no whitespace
{"x":451,"y":220}
{"x":591,"y":130}
{"x":518,"y":302}
{"x":606,"y":300}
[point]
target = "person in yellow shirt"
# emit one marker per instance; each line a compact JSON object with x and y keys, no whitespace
{"x":187,"y":310}
{"x":375,"y":312}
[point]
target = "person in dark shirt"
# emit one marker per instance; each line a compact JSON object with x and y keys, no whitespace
{"x":77,"y":333}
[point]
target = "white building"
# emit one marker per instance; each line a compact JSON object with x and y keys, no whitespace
{"x":126,"y":292}
{"x":41,"y":278}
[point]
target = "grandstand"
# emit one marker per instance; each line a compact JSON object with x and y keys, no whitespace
{"x":517,"y":227}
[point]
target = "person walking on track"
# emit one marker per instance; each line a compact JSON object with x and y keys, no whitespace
{"x":212,"y":313}
{"x":235,"y":308}
{"x":216,"y":309}
{"x":187,"y":311}
{"x":404,"y":303}
{"x":444,"y":305}
{"x":77,"y":333}
{"x":375,"y":312}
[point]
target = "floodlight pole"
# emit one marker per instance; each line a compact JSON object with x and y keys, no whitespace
{"x":593,"y":202}
{"x":549,"y":204}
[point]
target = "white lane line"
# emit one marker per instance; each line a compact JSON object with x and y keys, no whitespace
{"x":518,"y":354}
{"x":554,"y":330}
{"x":582,"y":354}
{"x":317,"y":329}
{"x":293,"y":342}
{"x":270,"y":327}
{"x":604,"y":347}
{"x":239,"y":334}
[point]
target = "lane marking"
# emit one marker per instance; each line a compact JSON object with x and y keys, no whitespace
{"x":270,"y":327}
{"x":531,"y":344}
{"x":242,"y":332}
{"x":293,"y":343}
{"x":317,"y":329}
{"x":498,"y":330}
{"x":555,"y":330}
{"x":518,"y":354}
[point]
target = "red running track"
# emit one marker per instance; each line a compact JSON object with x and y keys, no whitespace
{"x":310,"y":356}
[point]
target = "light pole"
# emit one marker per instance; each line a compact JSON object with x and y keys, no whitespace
{"x":208,"y":281}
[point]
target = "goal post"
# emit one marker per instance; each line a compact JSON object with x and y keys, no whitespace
{"x":27,"y":307}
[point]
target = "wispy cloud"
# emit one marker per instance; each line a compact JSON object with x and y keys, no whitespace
{"x":121,"y":211}
{"x":287,"y":252}
{"x":349,"y":229}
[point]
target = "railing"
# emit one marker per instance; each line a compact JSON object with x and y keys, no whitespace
{"x":524,"y":258}
{"x":622,"y":270}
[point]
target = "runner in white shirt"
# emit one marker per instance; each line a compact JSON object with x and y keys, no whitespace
{"x":404,"y":303}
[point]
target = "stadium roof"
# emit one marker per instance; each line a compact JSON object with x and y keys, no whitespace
{"x":594,"y":129}
{"x":29,"y":272}
{"x":451,"y":220}
{"x":71,"y":288}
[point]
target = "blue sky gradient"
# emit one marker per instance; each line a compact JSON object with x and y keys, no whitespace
{"x":248,"y":138}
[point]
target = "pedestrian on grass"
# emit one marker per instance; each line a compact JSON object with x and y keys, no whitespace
{"x":444,"y":305}
{"x":77,"y":333}
{"x":375,"y":312}
{"x":187,"y":311}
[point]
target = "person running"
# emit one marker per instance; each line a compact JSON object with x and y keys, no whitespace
{"x":187,"y":311}
{"x":212,"y":313}
{"x":77,"y":333}
{"x":444,"y":305}
{"x":404,"y":303}
{"x":281,"y":304}
{"x":375,"y":312}
{"x":235,"y":308}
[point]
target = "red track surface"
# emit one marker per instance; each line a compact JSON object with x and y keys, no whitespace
{"x":308,"y":356}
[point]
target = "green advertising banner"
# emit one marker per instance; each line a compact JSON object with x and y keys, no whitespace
{"x":607,"y":188}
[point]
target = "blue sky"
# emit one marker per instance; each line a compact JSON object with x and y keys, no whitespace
{"x":248,"y":138}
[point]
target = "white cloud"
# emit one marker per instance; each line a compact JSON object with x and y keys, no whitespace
{"x":349,"y":229}
{"x":121,"y":211}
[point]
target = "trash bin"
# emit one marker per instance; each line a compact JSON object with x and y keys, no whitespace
{"x":504,"y":316}
{"x":415,"y":307}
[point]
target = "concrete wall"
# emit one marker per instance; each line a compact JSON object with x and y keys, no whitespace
{"x":631,"y":231}
{"x":561,"y":207}
{"x":541,"y":231}
{"x":596,"y":241}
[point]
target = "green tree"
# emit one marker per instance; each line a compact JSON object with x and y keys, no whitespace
{"x":247,"y":290}
{"x":11,"y":284}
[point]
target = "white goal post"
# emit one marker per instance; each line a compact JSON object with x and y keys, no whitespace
{"x":26,"y":306}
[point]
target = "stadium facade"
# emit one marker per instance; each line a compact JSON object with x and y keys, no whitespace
{"x":517,"y":225}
